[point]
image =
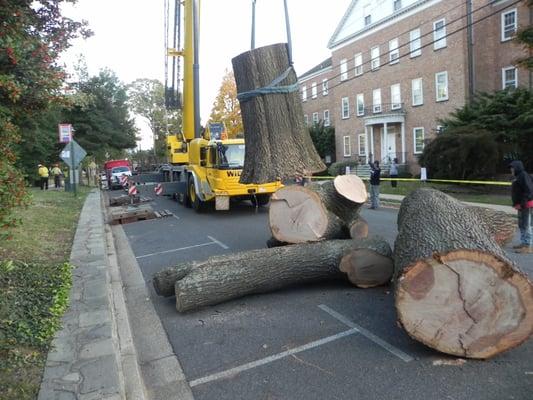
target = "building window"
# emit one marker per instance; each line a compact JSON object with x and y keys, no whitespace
{"x":327,"y":121}
{"x":325,"y":87}
{"x":417,"y":92}
{"x":306,"y":120}
{"x":374,"y":55}
{"x":344,"y":69}
{"x":376,"y":100}
{"x":397,"y":4}
{"x":441,"y":86}
{"x":313,"y":91}
{"x":360,"y":104}
{"x":361,"y":138}
{"x":346,"y":146}
{"x":418,"y":140}
{"x":359,"y":64}
{"x":304,"y":93}
{"x":509,"y":24}
{"x":396,"y":97}
{"x":415,"y":43}
{"x":315,"y":118}
{"x":439,"y":34}
{"x":368,"y":20}
{"x":509,"y":78}
{"x":394,"y":52}
{"x":345,"y":107}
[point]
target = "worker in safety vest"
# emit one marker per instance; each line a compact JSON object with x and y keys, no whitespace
{"x":56,"y":173}
{"x":43,"y":174}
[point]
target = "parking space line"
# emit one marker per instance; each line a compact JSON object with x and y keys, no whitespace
{"x":234,"y":371}
{"x":369,"y":335}
{"x":175,"y":250}
{"x":219,"y":243}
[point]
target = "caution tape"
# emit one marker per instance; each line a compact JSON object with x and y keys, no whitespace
{"x":494,"y":183}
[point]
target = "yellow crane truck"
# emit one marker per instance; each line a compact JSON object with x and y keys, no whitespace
{"x":204,"y":166}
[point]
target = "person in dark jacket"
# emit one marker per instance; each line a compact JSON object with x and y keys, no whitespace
{"x":522,"y":197}
{"x":375,"y":175}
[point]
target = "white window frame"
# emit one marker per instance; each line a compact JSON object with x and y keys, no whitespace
{"x":396,"y":5}
{"x":376,"y":101}
{"x":415,"y":129}
{"x":374,"y":58}
{"x":314,"y":91}
{"x":316,"y":120}
{"x":504,"y":81}
{"x":359,"y":136}
{"x":345,"y":106}
{"x":346,"y":146}
{"x":439,"y":35}
{"x":413,"y":101}
{"x":344,"y":69}
{"x":306,"y":120}
{"x":415,"y":43}
{"x":360,"y":100}
{"x":445,"y":97}
{"x":395,"y":105}
{"x":358,"y":60}
{"x":304,"y":93}
{"x":327,"y":119}
{"x":325,"y":87}
{"x":505,"y":38}
{"x":394,"y":51}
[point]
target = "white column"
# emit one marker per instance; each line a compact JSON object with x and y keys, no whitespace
{"x":372,"y":143}
{"x":403,"y":142}
{"x":385,"y":144}
{"x":366,"y":143}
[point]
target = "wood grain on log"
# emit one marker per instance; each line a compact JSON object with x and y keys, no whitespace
{"x":456,"y":290}
{"x":278,"y":143}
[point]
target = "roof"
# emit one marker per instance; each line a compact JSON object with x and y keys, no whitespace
{"x":323,"y":65}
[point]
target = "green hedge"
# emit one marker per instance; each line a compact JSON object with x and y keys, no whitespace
{"x":339,"y":168}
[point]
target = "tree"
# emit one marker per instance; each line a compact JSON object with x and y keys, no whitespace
{"x":226,"y":107}
{"x":34,"y":34}
{"x":103,"y":123}
{"x":147,"y":99}
{"x":525,"y":37}
{"x":323,"y":138}
{"x":507,"y":115}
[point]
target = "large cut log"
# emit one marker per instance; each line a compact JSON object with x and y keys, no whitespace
{"x":278,"y":143}
{"x":501,"y":226}
{"x":319,"y":211}
{"x":456,"y":290}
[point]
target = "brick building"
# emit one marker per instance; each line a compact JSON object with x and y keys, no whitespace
{"x":398,"y":66}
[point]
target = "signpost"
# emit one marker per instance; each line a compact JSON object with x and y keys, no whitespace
{"x":72,"y":155}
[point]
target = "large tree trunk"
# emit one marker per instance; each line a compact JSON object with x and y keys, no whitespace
{"x":500,"y":225}
{"x":319,"y":211}
{"x":278,"y":143}
{"x":456,"y":290}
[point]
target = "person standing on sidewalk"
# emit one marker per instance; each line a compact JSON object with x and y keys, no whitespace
{"x":56,"y":173}
{"x":43,"y":174}
{"x":393,"y":173}
{"x":522,"y":196}
{"x":375,"y":175}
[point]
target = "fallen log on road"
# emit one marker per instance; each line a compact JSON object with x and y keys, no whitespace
{"x":456,"y":290}
{"x":500,"y":225}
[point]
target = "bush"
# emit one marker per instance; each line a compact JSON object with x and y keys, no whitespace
{"x":339,"y":168}
{"x":461,"y":154}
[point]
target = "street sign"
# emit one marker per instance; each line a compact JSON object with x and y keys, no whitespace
{"x":65,"y":133}
{"x":74,"y":159}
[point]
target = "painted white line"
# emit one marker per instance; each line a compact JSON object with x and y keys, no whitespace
{"x":369,"y":335}
{"x":234,"y":371}
{"x":175,"y":216}
{"x":219,"y":243}
{"x":175,"y":250}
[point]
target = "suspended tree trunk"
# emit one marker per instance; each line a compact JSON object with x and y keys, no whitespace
{"x":278,"y":143}
{"x":456,"y":290}
{"x":319,"y":211}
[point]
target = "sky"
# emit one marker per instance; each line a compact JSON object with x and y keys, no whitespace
{"x":129,"y":38}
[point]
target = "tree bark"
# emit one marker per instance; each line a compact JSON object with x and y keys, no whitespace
{"x":500,"y":225}
{"x":456,"y":290}
{"x":278,"y":143}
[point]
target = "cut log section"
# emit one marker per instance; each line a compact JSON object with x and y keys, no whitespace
{"x":319,"y":211}
{"x":456,"y":291}
{"x":278,"y":143}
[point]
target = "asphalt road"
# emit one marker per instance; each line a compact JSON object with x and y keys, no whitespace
{"x":316,"y":342}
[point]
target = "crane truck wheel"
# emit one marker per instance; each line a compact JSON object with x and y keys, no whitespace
{"x":260,"y":200}
{"x":194,"y":200}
